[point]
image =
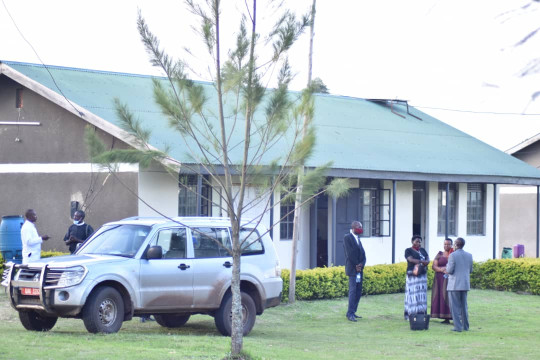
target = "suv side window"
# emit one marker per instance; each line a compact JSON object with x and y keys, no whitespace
{"x":251,"y":242}
{"x":205,"y":242}
{"x":173,"y":243}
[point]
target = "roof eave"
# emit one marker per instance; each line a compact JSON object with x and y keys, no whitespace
{"x":77,"y":110}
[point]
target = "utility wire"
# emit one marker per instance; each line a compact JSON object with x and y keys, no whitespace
{"x":35,"y":52}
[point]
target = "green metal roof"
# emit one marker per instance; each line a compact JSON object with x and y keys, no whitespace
{"x":363,"y":138}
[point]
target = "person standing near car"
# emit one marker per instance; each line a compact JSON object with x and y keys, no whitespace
{"x":78,"y":232}
{"x":355,"y":259}
{"x":459,"y":269}
{"x":31,"y":241}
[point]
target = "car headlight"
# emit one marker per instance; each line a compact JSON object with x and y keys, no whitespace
{"x":72,"y":276}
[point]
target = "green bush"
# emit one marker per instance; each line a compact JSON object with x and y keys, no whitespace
{"x":508,"y":275}
{"x":328,"y":283}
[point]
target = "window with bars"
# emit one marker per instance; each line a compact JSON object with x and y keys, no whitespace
{"x":476,"y":203}
{"x":188,"y":198}
{"x":375,"y":208}
{"x":286,"y":223}
{"x":443,"y":207}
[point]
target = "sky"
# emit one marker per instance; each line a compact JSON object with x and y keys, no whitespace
{"x":456,"y":60}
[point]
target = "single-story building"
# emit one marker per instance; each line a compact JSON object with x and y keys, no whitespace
{"x":520,"y":203}
{"x":409,"y":172}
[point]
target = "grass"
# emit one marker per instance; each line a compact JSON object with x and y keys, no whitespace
{"x":503,"y":325}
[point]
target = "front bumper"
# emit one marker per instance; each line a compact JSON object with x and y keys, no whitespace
{"x":57,"y":301}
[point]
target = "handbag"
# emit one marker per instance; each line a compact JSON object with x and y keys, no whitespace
{"x":419,"y":269}
{"x":419,"y":321}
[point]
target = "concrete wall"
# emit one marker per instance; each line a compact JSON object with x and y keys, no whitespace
{"x":46,"y":167}
{"x":158,"y":190}
{"x":518,"y":218}
{"x":518,"y":208}
{"x":530,"y":154}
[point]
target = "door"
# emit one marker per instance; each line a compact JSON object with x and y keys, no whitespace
{"x":348,"y":209}
{"x":212,"y":264}
{"x":168,"y":282}
{"x":419,"y":209}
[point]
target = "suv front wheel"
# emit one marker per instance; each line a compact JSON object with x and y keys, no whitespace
{"x":223,"y":317}
{"x":32,"y":320}
{"x":103,"y":311}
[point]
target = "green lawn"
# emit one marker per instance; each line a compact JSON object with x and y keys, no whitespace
{"x":503,"y":326}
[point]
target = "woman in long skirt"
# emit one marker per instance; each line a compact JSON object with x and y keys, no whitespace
{"x":416,"y":281}
{"x":440,"y":304}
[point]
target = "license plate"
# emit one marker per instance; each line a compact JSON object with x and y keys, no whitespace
{"x":30,"y":291}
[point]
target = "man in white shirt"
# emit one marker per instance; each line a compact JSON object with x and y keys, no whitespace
{"x":31,"y":241}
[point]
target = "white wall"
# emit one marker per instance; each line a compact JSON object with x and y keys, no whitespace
{"x":480,"y":246}
{"x":284,"y":246}
{"x":160,"y":190}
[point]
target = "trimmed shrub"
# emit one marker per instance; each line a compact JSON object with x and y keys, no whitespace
{"x":508,"y":274}
{"x":330,"y":283}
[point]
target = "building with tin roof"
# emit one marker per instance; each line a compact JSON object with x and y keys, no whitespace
{"x":409,"y":172}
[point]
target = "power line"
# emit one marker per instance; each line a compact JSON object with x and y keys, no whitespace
{"x":41,"y":61}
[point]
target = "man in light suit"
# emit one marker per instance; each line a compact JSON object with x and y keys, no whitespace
{"x":355,"y":259}
{"x":459,"y":269}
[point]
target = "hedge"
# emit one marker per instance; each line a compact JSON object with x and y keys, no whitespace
{"x":329,"y":283}
{"x":508,"y":274}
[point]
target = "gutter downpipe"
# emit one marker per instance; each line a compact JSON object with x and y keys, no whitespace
{"x":334,"y":235}
{"x":271,"y":227}
{"x":537,"y":220}
{"x":446,"y":220}
{"x":393,"y":221}
{"x":199,"y":194}
{"x":494,"y":221}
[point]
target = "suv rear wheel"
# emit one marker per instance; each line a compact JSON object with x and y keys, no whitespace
{"x":103,"y":311}
{"x":172,"y":320}
{"x":32,"y":320}
{"x":223,"y":318}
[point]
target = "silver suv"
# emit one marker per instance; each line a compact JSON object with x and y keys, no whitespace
{"x":171,"y":269}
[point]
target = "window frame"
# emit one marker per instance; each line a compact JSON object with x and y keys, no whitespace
{"x":441,"y":215}
{"x":286,"y":225}
{"x":476,"y":213}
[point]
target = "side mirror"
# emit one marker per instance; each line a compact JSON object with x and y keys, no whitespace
{"x":154,"y":252}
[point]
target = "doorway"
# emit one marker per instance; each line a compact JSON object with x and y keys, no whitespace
{"x":319,"y":232}
{"x":419,"y":209}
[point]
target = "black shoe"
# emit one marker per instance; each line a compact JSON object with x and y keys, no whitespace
{"x":356,"y":316}
{"x":446,"y":321}
{"x":351,"y":318}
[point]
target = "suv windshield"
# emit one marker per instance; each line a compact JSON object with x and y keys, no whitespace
{"x":119,"y":240}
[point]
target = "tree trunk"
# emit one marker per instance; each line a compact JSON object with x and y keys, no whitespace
{"x":237,"y":338}
{"x":298,"y":201}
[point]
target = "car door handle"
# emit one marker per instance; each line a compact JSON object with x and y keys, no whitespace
{"x":227,"y":264}
{"x":183,"y":266}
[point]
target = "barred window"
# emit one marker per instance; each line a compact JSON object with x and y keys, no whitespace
{"x":375,"y":212}
{"x":476,"y":203}
{"x":187,"y":196}
{"x":286,"y":223}
{"x":443,"y":207}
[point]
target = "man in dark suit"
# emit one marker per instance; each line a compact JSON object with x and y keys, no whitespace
{"x":355,"y":259}
{"x":459,"y":269}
